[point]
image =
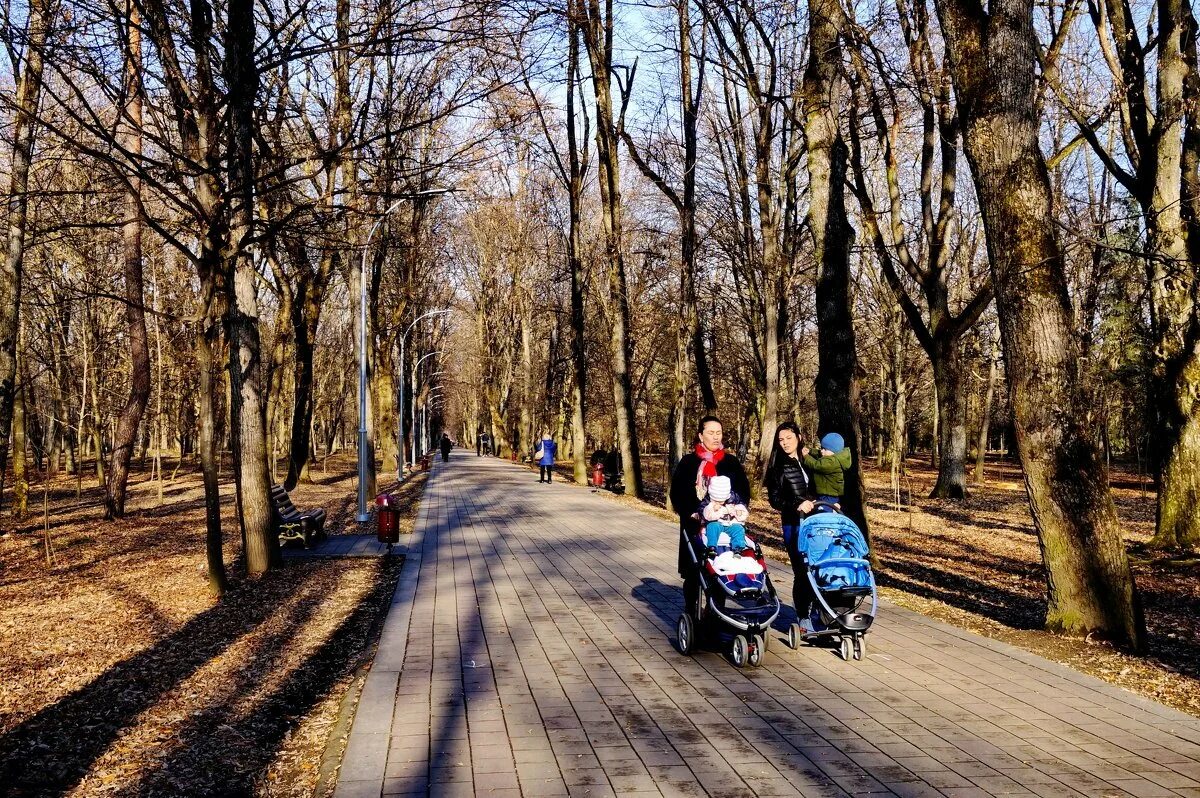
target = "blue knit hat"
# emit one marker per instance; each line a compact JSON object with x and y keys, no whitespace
{"x":833,"y":442}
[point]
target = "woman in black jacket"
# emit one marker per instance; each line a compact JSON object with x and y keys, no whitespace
{"x":790,"y":491}
{"x":689,"y":482}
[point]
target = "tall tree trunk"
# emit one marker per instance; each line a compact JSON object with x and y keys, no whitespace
{"x":20,"y":474}
{"x":305,"y":319}
{"x":575,"y":176}
{"x":952,"y":416}
{"x":986,"y":421}
{"x":597,"y":36}
{"x":247,"y":410}
{"x":1091,"y":587}
{"x":1175,"y":373}
{"x":28,"y":94}
{"x":836,"y":384}
{"x":131,"y":416}
{"x":206,"y":354}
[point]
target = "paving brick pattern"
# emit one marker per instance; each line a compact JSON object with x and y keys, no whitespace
{"x":529,"y":652}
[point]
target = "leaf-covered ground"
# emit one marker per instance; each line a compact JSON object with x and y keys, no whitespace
{"x":976,"y":564}
{"x":123,"y":675}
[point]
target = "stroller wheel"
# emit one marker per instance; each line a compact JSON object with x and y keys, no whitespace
{"x":758,"y":647}
{"x":741,"y":651}
{"x":847,"y":648}
{"x":860,"y":647}
{"x":685,"y":634}
{"x":794,"y":635}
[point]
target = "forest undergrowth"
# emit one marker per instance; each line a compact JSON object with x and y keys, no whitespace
{"x":122,"y":674}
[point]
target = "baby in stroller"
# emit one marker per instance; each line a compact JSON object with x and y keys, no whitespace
{"x":727,"y":580}
{"x":840,"y":583}
{"x":725,"y":513}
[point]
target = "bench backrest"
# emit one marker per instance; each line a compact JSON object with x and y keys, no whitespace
{"x":282,"y":503}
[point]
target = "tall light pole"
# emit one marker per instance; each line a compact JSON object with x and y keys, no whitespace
{"x":434,"y":393}
{"x":401,"y":459}
{"x":416,"y":366}
{"x":364,"y":456}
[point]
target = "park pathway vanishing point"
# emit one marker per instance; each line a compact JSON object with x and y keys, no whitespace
{"x":529,"y":651}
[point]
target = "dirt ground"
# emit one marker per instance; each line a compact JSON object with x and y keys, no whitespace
{"x":976,"y":564}
{"x":123,"y":675}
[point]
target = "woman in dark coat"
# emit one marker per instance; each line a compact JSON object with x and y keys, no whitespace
{"x":790,"y":491}
{"x":689,"y":484}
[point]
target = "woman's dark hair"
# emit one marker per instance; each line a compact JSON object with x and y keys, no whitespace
{"x":777,"y":452}
{"x":705,"y":420}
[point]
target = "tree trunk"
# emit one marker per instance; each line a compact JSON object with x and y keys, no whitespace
{"x":1175,"y":373}
{"x":986,"y":422}
{"x":898,"y":435}
{"x":952,"y":414}
{"x":575,"y":263}
{"x":28,"y":93}
{"x":836,"y":385}
{"x":247,"y":411}
{"x":1091,"y":587}
{"x":131,"y":255}
{"x":206,"y":344}
{"x":597,"y":35}
{"x":305,"y":319}
{"x":20,"y":475}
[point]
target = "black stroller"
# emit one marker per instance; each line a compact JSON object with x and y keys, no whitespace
{"x":728,"y":592}
{"x":841,"y":582}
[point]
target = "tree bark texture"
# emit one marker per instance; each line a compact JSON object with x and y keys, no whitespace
{"x":949,"y":375}
{"x":576,"y":168}
{"x":1090,"y":585}
{"x":247,"y":409}
{"x":597,"y":36}
{"x":986,"y":422}
{"x":134,"y":410}
{"x":836,"y":384}
{"x":24,"y":114}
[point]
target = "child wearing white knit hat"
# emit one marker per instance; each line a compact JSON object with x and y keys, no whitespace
{"x":724,"y":512}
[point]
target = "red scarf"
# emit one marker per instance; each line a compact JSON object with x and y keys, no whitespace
{"x":708,"y":468}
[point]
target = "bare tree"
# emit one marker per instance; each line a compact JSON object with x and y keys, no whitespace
{"x":929,"y":264}
{"x":836,"y":384}
{"x":25,"y":105}
{"x":131,"y":258}
{"x":992,"y":64}
{"x":597,"y":31}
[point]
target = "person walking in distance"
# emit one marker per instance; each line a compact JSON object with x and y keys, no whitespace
{"x":545,"y":457}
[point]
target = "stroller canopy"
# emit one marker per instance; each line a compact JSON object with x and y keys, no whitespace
{"x":828,"y":538}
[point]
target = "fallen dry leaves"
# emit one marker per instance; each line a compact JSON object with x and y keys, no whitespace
{"x":123,"y":675}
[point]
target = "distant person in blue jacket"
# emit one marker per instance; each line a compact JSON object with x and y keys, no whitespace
{"x":545,"y":457}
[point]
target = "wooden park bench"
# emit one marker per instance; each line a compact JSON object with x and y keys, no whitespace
{"x":292,"y":524}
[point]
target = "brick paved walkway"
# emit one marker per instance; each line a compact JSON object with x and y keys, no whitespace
{"x":529,"y":651}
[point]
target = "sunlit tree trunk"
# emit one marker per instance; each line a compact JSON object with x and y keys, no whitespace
{"x":836,"y":384}
{"x":247,"y":409}
{"x":597,"y":37}
{"x":1090,"y":585}
{"x":24,"y":113}
{"x":131,"y":257}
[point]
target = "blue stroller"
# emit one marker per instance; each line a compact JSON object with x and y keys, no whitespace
{"x":839,"y":576}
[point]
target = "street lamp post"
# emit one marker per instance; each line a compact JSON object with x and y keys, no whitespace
{"x":364,"y":456}
{"x":400,"y":454}
{"x":434,"y":393}
{"x":417,"y":365}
